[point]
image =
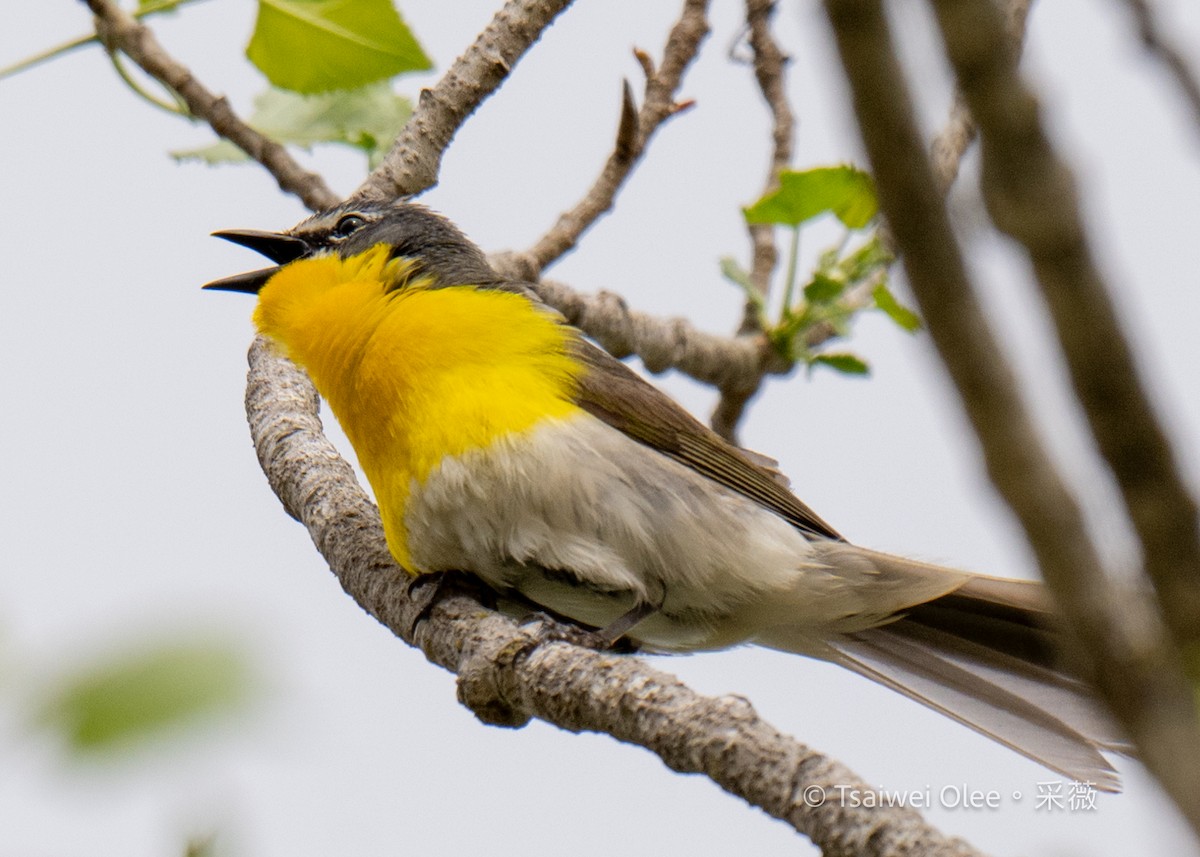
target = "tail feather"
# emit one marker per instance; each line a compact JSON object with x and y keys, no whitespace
{"x":987,"y":656}
{"x":1050,"y":689}
{"x":1010,"y":616}
{"x":1004,"y":714}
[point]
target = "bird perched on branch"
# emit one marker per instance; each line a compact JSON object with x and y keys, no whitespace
{"x":498,"y":440}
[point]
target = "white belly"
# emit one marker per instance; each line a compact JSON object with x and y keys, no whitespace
{"x":587,"y":522}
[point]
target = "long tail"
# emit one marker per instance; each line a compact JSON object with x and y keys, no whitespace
{"x":985,"y":654}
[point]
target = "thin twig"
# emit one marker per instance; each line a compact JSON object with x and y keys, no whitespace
{"x":83,"y":41}
{"x":507,"y":676}
{"x":1117,"y":641}
{"x":951,"y":143}
{"x":1157,"y":43}
{"x":959,"y":132}
{"x":415,"y":159}
{"x":770,"y":65}
{"x":118,"y":29}
{"x":636,"y":129}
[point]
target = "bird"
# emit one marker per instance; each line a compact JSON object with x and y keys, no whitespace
{"x":500,"y":441}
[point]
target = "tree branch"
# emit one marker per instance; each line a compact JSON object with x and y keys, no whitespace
{"x":1160,"y":46}
{"x":1118,"y":642}
{"x":507,"y":676}
{"x":415,"y":159}
{"x":636,"y":129}
{"x":959,"y":132}
{"x":663,"y":344}
{"x":1030,"y":194}
{"x":117,"y":29}
{"x":769,"y":67}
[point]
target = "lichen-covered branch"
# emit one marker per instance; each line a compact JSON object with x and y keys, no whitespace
{"x":507,"y":675}
{"x":415,"y":158}
{"x":1118,"y":642}
{"x":117,"y":29}
{"x":671,"y":343}
{"x":636,"y":129}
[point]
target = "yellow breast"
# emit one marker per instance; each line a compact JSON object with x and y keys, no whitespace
{"x":414,"y":372}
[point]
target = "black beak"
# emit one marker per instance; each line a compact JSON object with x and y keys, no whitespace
{"x":276,"y":246}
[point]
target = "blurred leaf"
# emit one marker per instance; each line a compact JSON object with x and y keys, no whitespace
{"x":220,"y":152}
{"x":823,"y":289}
{"x":740,"y":277}
{"x":897,"y":312}
{"x":313,"y":46}
{"x":867,"y":259}
{"x":136,"y":695}
{"x":846,"y":363}
{"x":368,"y":119}
{"x":201,"y":846}
{"x":147,"y":7}
{"x":846,"y":191}
{"x":786,"y":336}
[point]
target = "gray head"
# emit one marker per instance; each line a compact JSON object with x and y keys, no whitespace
{"x":436,"y":246}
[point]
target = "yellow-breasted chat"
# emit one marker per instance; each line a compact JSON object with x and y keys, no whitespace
{"x":499,"y":441}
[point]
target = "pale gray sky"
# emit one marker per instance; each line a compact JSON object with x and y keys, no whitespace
{"x":134,"y":508}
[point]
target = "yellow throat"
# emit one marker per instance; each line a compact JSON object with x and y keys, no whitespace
{"x":416,"y":370}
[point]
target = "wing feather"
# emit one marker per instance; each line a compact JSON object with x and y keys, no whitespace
{"x":612,"y":392}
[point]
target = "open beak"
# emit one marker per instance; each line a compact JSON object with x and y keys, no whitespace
{"x":279,"y":247}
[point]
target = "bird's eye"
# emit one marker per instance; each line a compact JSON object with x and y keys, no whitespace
{"x":348,"y":224}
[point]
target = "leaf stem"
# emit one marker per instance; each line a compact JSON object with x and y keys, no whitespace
{"x":83,"y":41}
{"x":174,"y":109}
{"x":789,"y":288}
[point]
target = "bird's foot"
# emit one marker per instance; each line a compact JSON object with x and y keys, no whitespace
{"x":426,"y":591}
{"x":553,"y":629}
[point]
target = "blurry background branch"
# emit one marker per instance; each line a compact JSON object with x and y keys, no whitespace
{"x":1031,"y":196}
{"x":1124,"y":649}
{"x":1161,"y":46}
{"x":959,"y":132}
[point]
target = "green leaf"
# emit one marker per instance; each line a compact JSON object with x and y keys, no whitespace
{"x":847,"y":364}
{"x":822,"y":289}
{"x":740,"y":277}
{"x":220,"y":152}
{"x":134,"y":696}
{"x":827,"y":260}
{"x":897,"y":312}
{"x":846,"y":191}
{"x":150,"y":7}
{"x":368,"y":119}
{"x":867,"y":259}
{"x":313,"y":46}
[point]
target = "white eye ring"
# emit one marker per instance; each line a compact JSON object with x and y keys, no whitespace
{"x":348,"y":224}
